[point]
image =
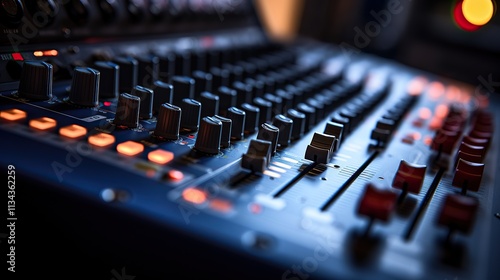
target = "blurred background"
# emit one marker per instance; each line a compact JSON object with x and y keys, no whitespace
{"x":430,"y":35}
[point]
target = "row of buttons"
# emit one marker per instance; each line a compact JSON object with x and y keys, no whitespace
{"x":128,"y":148}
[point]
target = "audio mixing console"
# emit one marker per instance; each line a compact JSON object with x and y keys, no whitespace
{"x":181,"y":122}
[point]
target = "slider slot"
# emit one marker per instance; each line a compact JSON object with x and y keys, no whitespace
{"x":349,"y":181}
{"x":295,"y":179}
{"x":423,"y":206}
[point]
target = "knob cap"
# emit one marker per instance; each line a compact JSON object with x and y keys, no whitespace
{"x":210,"y":104}
{"x":85,"y":87}
{"x":169,"y":122}
{"x":252,"y":118}
{"x":183,"y":88}
{"x":191,"y":110}
{"x":284,"y":124}
{"x":226,"y":131}
{"x":299,"y":121}
{"x":127,"y":111}
{"x":163,"y":93}
{"x":269,"y":133}
{"x":265,"y":108}
{"x":11,"y":13}
{"x":227,"y":99}
{"x":110,"y":72}
{"x":128,"y":73}
{"x":148,"y":70}
{"x":203,"y":82}
{"x":36,"y":80}
{"x":209,"y":136}
{"x":238,"y":117}
{"x":146,"y":107}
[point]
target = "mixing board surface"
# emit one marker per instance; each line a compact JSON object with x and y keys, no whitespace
{"x":281,"y":160}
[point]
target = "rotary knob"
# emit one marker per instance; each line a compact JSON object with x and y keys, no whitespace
{"x":11,"y":12}
{"x":85,"y":87}
{"x":127,"y":111}
{"x":209,"y":136}
{"x":36,"y":80}
{"x":169,"y":122}
{"x":78,"y":11}
{"x":110,"y":71}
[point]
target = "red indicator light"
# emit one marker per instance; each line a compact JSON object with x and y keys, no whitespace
{"x":17,"y":56}
{"x":107,"y":103}
{"x":461,"y":20}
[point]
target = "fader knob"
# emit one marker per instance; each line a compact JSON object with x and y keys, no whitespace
{"x":85,"y":87}
{"x":36,"y":80}
{"x":127,"y":111}
{"x":209,"y":136}
{"x":169,"y":122}
{"x":110,"y":72}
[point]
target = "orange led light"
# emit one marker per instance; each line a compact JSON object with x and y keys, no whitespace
{"x":175,"y":175}
{"x":441,"y":111}
{"x":416,"y":86}
{"x":101,"y":139}
{"x":425,"y":113}
{"x":12,"y":115}
{"x":130,"y":148}
{"x":221,"y":205}
{"x":435,"y":124}
{"x":38,"y":53}
{"x":194,"y":196}
{"x":73,"y":131}
{"x":43,"y":123}
{"x":436,"y":90}
{"x":50,"y":53}
{"x":161,"y":156}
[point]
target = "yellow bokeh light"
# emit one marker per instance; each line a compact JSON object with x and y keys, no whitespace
{"x":478,"y":12}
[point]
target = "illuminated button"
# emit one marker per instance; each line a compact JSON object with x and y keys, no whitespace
{"x":161,"y":156}
{"x":130,"y":148}
{"x":220,"y":205}
{"x":194,"y":196}
{"x":101,"y":139}
{"x":73,"y":131}
{"x":175,"y":175}
{"x":43,"y":123}
{"x":12,"y":115}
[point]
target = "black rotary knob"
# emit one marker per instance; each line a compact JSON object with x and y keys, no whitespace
{"x":110,"y":72}
{"x":227,"y":97}
{"x":127,"y":111}
{"x":203,"y":82}
{"x":210,"y":104}
{"x":11,"y":12}
{"x":237,"y":116}
{"x":265,"y":108}
{"x":299,"y":123}
{"x":191,"y":110}
{"x":36,"y":80}
{"x":109,"y":9}
{"x":85,"y":87}
{"x":183,"y":88}
{"x":169,"y":122}
{"x":269,"y":133}
{"x":148,"y":69}
{"x":285,"y":125}
{"x":209,"y":136}
{"x":225,"y":139}
{"x":146,"y":107}
{"x":163,"y":93}
{"x":128,"y":73}
{"x":252,"y":117}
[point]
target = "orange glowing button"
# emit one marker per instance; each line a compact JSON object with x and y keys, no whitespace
{"x":194,"y":196}
{"x":73,"y":131}
{"x":12,"y":115}
{"x":436,"y":90}
{"x":435,"y":124}
{"x":43,"y":123}
{"x":161,"y":156}
{"x":221,"y":205}
{"x":130,"y":148}
{"x":425,"y":113}
{"x":441,"y":111}
{"x":101,"y":139}
{"x":175,"y":175}
{"x":416,"y":86}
